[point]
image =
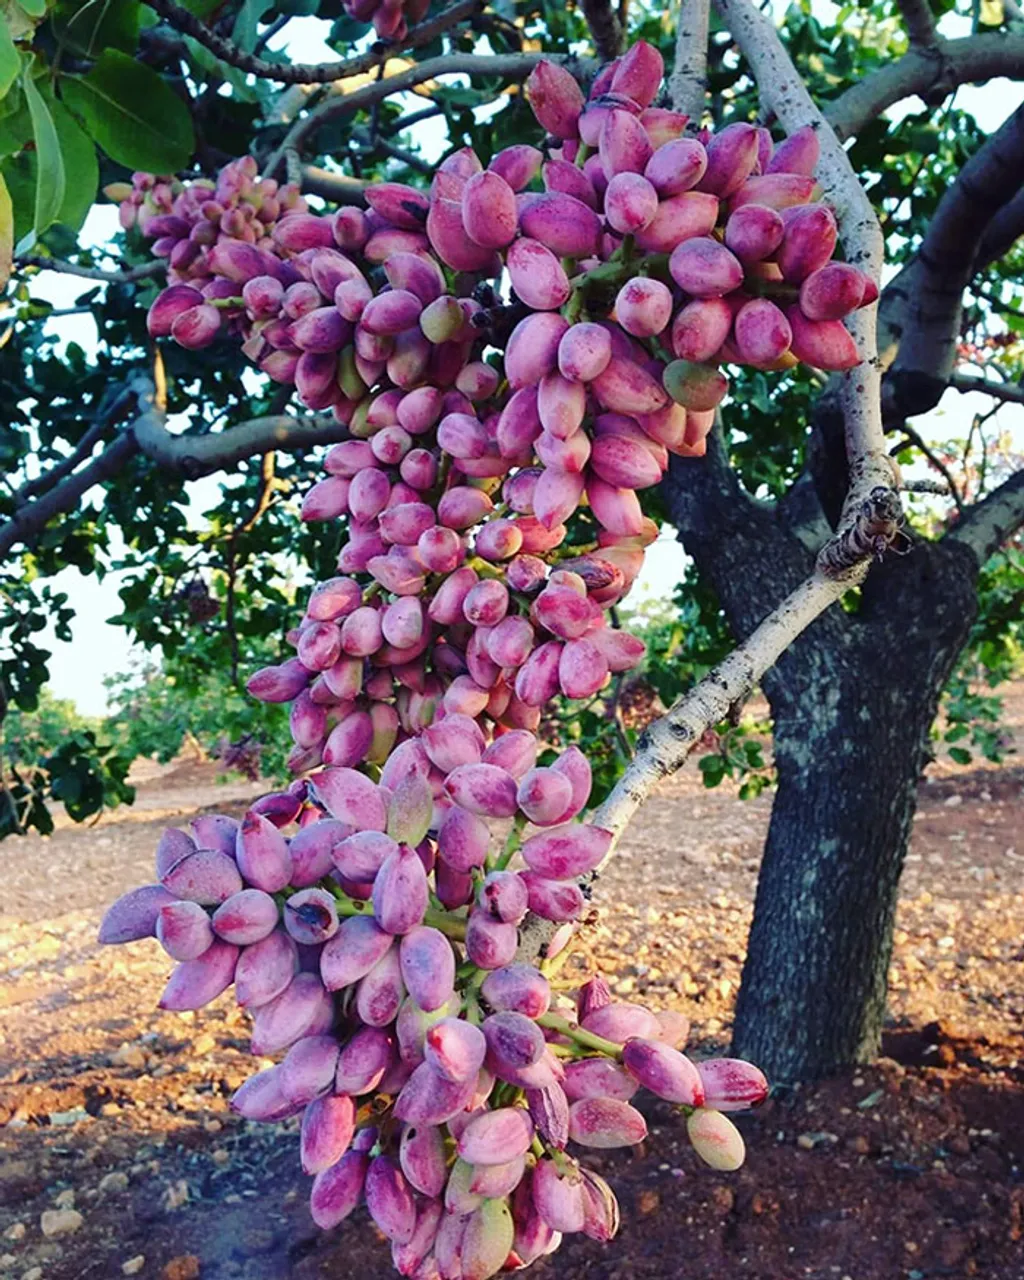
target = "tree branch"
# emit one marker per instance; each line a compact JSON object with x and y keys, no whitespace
{"x":688,"y":81}
{"x":337,"y":187}
{"x":1002,"y":232}
{"x":185,"y":21}
{"x":915,"y":438}
{"x":127,"y":275}
{"x":184,"y":455}
{"x":65,"y":496}
{"x":987,"y":525}
{"x":195,"y":456}
{"x":1012,"y":392}
{"x":113,"y":405}
{"x":605,"y":27}
{"x":781,"y":89}
{"x":920,"y":23}
{"x":666,"y":743}
{"x":929,"y":73}
{"x":512,"y":66}
{"x":930,"y":294}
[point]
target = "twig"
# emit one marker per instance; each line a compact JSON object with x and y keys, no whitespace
{"x":688,"y":81}
{"x":185,"y":21}
{"x":917,"y":440}
{"x":927,"y":486}
{"x":127,"y":275}
{"x":511,"y":66}
{"x":926,"y":72}
{"x":605,"y":27}
{"x":405,"y":157}
{"x":920,"y":22}
{"x":64,"y":497}
{"x":279,"y":24}
{"x":111,"y":406}
{"x":1012,"y":392}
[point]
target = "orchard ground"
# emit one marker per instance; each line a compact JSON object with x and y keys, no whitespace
{"x":116,"y":1115}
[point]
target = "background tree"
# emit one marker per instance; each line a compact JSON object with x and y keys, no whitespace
{"x":95,"y":477}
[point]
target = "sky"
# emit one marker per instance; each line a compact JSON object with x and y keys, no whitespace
{"x":99,"y":649}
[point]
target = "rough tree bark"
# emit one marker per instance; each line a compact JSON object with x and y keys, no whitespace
{"x":852,"y":702}
{"x":851,"y":723}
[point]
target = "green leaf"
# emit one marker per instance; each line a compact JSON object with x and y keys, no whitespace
{"x":10,"y":61}
{"x":132,"y":114}
{"x":81,"y":168}
{"x":244,"y":33}
{"x":6,"y":233}
{"x":206,"y":61}
{"x":90,"y":26}
{"x":50,"y":179}
{"x":960,"y":754}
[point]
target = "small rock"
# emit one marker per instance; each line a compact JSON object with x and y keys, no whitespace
{"x":33,"y":1273}
{"x":110,"y":1109}
{"x":257,"y":1240}
{"x":723,"y":1199}
{"x":16,"y":1231}
{"x":647,"y":1202}
{"x":808,"y":1141}
{"x":220,"y":1156}
{"x":858,"y":1144}
{"x":114,"y":1182}
{"x":951,"y":802}
{"x":184,"y":1267}
{"x":64,"y":1118}
{"x":204,"y":1044}
{"x":134,"y":1265}
{"x":959,"y":1144}
{"x":66,"y":1199}
{"x":176,"y":1195}
{"x":60,"y":1222}
{"x":129,"y":1055}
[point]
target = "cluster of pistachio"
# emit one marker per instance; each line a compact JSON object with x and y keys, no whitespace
{"x":371,"y":914}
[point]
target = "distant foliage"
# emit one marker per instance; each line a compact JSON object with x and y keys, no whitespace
{"x":55,"y":754}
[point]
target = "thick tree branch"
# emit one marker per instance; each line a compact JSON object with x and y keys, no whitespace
{"x":512,"y":66}
{"x":688,"y":81}
{"x":781,"y":89}
{"x":928,"y":73}
{"x":1012,"y":392}
{"x":605,"y":28}
{"x":1002,"y":232}
{"x":666,"y":743}
{"x":931,"y":291}
{"x":33,"y":518}
{"x":185,"y":21}
{"x":125,"y":276}
{"x":195,"y":456}
{"x":987,"y":525}
{"x":339,"y":188}
{"x":185,"y":455}
{"x":920,"y":23}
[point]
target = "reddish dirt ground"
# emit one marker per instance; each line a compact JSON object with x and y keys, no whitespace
{"x":905,"y":1170}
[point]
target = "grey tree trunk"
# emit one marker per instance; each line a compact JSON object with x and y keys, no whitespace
{"x":852,"y":703}
{"x":851,"y":735}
